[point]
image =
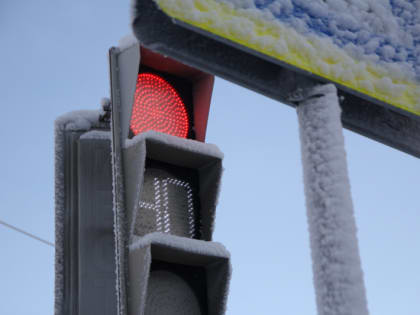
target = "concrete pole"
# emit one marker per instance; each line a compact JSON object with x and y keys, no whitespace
{"x":338,"y":276}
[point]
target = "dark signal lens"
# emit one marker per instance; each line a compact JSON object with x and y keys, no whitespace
{"x":158,"y":106}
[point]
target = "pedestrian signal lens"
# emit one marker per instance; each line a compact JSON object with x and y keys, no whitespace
{"x":169,"y":201}
{"x":158,"y":106}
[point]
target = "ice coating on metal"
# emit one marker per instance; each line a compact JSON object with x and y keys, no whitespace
{"x":369,"y":46}
{"x":337,"y":271}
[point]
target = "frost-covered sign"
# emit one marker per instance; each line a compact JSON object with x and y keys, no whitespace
{"x":369,"y":48}
{"x":372,"y":46}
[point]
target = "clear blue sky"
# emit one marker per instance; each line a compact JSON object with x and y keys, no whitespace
{"x":53,"y":59}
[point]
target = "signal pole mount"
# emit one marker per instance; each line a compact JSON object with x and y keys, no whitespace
{"x":338,"y":276}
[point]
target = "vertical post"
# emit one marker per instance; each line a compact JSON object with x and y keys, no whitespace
{"x":338,"y":276}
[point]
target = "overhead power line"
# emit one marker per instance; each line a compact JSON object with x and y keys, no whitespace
{"x":26,"y":233}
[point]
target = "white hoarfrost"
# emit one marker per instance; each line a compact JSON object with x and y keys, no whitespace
{"x":177,"y":142}
{"x":382,"y":29}
{"x":97,"y":134}
{"x":77,"y":120}
{"x":127,"y":41}
{"x":338,"y":276}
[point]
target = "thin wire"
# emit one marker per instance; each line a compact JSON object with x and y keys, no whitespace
{"x":26,"y":233}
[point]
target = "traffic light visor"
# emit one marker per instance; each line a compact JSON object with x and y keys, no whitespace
{"x":158,"y":106}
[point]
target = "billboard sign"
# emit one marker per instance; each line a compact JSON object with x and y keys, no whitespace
{"x":372,"y":47}
{"x":369,"y":49}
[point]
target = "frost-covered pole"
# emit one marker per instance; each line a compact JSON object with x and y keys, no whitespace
{"x":338,"y":276}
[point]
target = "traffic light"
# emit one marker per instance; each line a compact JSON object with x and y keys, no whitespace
{"x":84,"y":246}
{"x":166,"y":182}
{"x":158,"y":94}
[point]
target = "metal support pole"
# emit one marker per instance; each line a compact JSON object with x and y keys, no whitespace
{"x":338,"y":276}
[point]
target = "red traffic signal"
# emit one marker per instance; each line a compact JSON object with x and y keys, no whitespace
{"x":170,"y":97}
{"x":157,"y":93}
{"x":158,"y":106}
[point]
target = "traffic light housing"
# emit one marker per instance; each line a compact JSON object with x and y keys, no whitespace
{"x":174,"y":180}
{"x":166,"y":182}
{"x":145,"y":82}
{"x":84,"y":233}
{"x":177,"y":275}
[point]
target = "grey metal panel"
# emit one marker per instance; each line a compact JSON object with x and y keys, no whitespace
{"x":118,"y":182}
{"x":268,"y":76}
{"x":68,"y":128}
{"x":126,"y":63}
{"x":70,"y":293}
{"x":134,"y":164}
{"x":381,"y":124}
{"x":77,"y":199}
{"x":96,"y":250}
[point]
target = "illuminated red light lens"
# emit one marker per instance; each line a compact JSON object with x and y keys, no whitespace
{"x":158,"y":106}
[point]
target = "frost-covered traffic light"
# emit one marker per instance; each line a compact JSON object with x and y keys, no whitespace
{"x":166,"y":182}
{"x":158,"y":93}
